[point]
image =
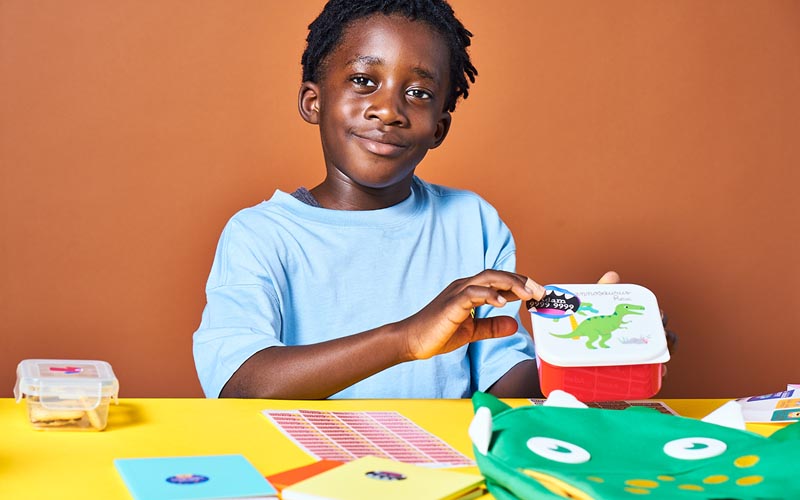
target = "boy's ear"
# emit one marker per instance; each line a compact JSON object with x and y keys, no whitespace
{"x":442,"y":128}
{"x":308,"y":102}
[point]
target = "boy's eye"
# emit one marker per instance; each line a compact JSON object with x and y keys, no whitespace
{"x":362,"y":81}
{"x":419,"y":93}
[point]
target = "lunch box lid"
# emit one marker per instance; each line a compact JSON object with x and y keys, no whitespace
{"x":580,"y":325}
{"x":57,"y":381}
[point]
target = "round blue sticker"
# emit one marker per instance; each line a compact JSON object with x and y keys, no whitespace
{"x":187,"y":479}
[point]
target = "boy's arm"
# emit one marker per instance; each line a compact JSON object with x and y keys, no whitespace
{"x":316,"y":371}
{"x":521,"y":381}
{"x":445,"y":324}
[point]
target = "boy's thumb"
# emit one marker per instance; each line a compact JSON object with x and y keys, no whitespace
{"x":609,"y":278}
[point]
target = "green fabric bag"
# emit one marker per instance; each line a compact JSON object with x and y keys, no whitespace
{"x":545,"y":452}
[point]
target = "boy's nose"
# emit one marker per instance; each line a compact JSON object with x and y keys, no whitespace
{"x":388,"y":108}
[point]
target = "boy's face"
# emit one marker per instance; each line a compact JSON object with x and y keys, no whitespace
{"x":380,"y":101}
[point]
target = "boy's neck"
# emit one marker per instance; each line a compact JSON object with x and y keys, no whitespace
{"x":349,"y":196}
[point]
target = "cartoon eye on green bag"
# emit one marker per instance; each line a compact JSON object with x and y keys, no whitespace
{"x":548,"y":452}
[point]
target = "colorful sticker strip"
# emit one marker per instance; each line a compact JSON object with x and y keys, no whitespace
{"x":345,"y":436}
{"x":622,"y":404}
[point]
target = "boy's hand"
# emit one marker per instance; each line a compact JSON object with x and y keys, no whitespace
{"x":447,"y":322}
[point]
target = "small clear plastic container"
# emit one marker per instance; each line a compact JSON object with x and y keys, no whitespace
{"x":66,"y":394}
{"x":599,"y":342}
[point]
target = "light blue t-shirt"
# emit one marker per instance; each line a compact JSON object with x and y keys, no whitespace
{"x":287,"y":273}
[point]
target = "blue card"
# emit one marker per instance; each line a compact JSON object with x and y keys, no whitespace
{"x":193,"y":478}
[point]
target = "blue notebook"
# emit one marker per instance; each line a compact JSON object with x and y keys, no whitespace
{"x":191,"y":478}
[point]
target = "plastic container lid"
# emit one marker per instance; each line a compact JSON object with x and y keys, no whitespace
{"x":66,"y":383}
{"x":598,"y":325}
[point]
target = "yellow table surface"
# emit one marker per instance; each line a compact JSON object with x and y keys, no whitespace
{"x":65,"y":465}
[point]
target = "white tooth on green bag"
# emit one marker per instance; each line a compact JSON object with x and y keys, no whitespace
{"x":563,"y":399}
{"x":480,"y":429}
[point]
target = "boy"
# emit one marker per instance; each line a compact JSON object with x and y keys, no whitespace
{"x":366,"y":285}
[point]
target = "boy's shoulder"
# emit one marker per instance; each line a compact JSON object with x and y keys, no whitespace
{"x":266,"y":213}
{"x":442,"y":191}
{"x":451,"y":195}
{"x":280,"y":201}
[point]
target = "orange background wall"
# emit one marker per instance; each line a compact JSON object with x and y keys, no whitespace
{"x":659,"y":139}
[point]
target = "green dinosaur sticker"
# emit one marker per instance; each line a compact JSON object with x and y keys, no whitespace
{"x":547,"y":452}
{"x":598,"y":329}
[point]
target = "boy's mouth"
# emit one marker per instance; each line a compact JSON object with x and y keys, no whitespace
{"x":380,"y":145}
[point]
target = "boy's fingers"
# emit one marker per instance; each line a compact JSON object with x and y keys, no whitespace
{"x":609,"y":278}
{"x":535,"y":288}
{"x":511,"y":285}
{"x":478,"y":295}
{"x":490,"y":328}
{"x":530,"y":290}
{"x":672,"y":341}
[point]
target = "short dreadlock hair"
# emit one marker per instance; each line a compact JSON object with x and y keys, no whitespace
{"x":326,"y":31}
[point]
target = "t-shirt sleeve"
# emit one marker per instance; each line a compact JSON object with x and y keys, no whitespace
{"x":242,"y":314}
{"x":491,"y":359}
